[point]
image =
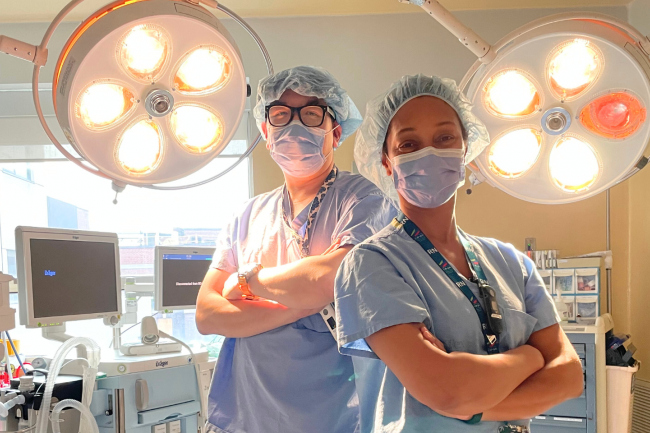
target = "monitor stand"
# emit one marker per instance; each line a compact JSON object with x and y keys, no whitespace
{"x":57,"y":333}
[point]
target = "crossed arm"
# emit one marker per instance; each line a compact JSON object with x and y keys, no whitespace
{"x":290,"y":292}
{"x":560,"y":379}
{"x":518,"y":384}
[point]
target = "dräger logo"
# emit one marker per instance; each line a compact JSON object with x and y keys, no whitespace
{"x":50,"y":273}
{"x":162,"y":363}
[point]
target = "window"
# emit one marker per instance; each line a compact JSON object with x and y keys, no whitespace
{"x":11,"y":263}
{"x":21,"y":171}
{"x":56,"y":193}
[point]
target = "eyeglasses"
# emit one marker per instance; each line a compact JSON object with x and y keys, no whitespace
{"x":309,"y":115}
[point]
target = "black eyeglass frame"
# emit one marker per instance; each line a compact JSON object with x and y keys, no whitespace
{"x":326,"y":110}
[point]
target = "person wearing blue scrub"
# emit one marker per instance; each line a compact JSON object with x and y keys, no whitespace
{"x":459,"y":330}
{"x":279,"y":370}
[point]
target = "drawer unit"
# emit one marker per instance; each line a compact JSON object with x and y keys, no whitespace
{"x":587,"y":413}
{"x":550,"y":424}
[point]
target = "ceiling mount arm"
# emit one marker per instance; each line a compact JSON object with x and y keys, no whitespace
{"x":465,"y":35}
{"x":23,"y":50}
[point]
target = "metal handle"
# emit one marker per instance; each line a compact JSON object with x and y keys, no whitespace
{"x":120,"y":421}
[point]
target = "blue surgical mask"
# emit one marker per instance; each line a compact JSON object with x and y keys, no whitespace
{"x":298,"y":149}
{"x":429,"y":177}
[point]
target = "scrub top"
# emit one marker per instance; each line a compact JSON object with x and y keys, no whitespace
{"x":390,"y":280}
{"x":291,"y":379}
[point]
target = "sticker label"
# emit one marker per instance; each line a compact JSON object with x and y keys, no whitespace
{"x":175,"y":427}
{"x":568,"y":419}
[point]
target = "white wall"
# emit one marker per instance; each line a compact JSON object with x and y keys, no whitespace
{"x":639,"y":13}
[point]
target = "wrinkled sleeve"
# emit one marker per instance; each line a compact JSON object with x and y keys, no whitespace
{"x":362,"y":218}
{"x":539,"y":303}
{"x":225,"y":255}
{"x":371,"y":295}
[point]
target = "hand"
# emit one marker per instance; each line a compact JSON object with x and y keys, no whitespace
{"x":428,"y":336}
{"x":231,"y":289}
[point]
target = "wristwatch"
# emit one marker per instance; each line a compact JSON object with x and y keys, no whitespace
{"x":244,"y":275}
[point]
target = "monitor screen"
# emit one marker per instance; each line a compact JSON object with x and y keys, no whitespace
{"x":182,"y":275}
{"x":71,"y":278}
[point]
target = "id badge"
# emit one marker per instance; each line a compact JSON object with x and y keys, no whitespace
{"x":495,"y":319}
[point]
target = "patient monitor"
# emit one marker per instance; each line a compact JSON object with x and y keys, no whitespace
{"x":66,"y":275}
{"x":179,"y":272}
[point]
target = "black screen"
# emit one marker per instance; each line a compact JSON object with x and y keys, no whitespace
{"x":182,"y":276}
{"x":73,"y":277}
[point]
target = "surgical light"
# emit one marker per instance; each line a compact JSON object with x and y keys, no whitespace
{"x":146,"y":91}
{"x":564,"y":99}
{"x":593,"y":86}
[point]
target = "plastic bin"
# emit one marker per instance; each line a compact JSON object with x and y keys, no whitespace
{"x":620,"y":397}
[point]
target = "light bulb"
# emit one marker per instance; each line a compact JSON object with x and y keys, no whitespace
{"x":573,"y":164}
{"x":143,"y":51}
{"x":140,"y":148}
{"x":204,"y":70}
{"x":573,"y":66}
{"x":511,"y":94}
{"x":196,"y":129}
{"x":102,"y":105}
{"x":614,"y":115}
{"x":515,"y":152}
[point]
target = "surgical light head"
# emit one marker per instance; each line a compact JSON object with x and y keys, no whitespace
{"x":566,"y":103}
{"x":309,"y":81}
{"x":380,"y":111}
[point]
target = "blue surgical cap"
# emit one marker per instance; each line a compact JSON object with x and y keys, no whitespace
{"x":309,"y":81}
{"x":381,"y":110}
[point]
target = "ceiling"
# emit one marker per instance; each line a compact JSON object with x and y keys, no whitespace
{"x":45,"y":10}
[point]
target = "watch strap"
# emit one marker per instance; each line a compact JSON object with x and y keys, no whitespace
{"x":244,"y":277}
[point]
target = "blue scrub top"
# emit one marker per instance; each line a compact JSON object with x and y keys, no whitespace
{"x":390,"y":280}
{"x":291,"y":379}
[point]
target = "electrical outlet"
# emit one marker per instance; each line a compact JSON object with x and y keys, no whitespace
{"x":530,"y":244}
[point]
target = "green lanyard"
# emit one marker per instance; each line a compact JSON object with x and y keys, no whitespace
{"x":491,"y":338}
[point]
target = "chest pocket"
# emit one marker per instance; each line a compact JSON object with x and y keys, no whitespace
{"x":517,"y":330}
